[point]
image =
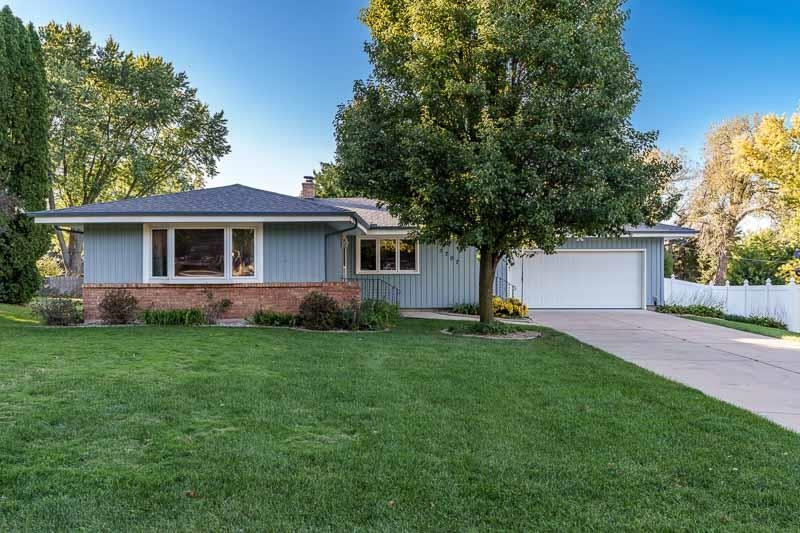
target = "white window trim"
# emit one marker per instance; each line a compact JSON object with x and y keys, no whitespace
{"x":377,"y":239}
{"x":228,"y":237}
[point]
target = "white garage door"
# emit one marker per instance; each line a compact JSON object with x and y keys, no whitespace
{"x":585,"y":279}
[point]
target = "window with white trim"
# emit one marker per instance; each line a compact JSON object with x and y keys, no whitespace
{"x":191,"y":253}
{"x":387,"y":255}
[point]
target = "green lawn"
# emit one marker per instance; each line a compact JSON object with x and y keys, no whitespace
{"x":750,"y":328}
{"x":146,"y":428}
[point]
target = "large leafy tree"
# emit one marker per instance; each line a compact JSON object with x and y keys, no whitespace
{"x":501,"y":125}
{"x":772,"y":153}
{"x":329,"y":181}
{"x":758,"y":257}
{"x":24,"y":180}
{"x":726,"y":195}
{"x":122,"y":125}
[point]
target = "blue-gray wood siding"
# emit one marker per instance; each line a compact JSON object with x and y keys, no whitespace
{"x":654,"y":251}
{"x":301,"y":252}
{"x":295,"y":251}
{"x":448,"y":277}
{"x":112,"y":253}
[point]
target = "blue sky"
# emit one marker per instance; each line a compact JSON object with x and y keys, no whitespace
{"x":279,"y":68}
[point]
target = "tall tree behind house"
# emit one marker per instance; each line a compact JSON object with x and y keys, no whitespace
{"x":122,"y":126}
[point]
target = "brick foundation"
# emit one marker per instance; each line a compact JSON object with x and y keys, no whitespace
{"x":247,"y":298}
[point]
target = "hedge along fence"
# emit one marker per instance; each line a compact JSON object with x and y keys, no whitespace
{"x":781,"y":302}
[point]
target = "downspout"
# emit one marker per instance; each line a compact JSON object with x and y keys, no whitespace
{"x":337,"y":232}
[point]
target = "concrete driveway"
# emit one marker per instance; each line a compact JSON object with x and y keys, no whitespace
{"x":757,"y":373}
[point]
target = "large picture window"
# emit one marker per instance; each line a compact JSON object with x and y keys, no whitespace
{"x":185,"y":254}
{"x":200,"y":253}
{"x":386,"y":256}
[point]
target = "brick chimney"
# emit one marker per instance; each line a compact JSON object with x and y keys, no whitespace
{"x":309,"y":188}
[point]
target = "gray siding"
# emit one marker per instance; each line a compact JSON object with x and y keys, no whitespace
{"x":654,"y":248}
{"x":447,"y":277}
{"x":295,"y":251}
{"x":113,"y":253}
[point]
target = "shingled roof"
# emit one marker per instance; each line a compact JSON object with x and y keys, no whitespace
{"x":378,"y":217}
{"x":370,"y":212}
{"x":232,"y":200}
{"x":239,"y":200}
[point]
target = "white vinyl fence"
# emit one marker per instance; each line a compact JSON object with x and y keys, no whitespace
{"x":777,"y":301}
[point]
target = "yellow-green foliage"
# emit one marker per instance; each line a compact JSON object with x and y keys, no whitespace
{"x":509,"y":308}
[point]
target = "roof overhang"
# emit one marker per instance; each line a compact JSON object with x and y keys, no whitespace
{"x":156,"y":219}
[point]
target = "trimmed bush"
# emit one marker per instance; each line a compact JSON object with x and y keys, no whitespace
{"x":370,"y":315}
{"x":765,"y":321}
{"x":696,"y":310}
{"x":480,"y":328}
{"x":118,"y":306}
{"x":465,"y":309}
{"x":58,"y":311}
{"x":509,"y":308}
{"x":263,"y":317}
{"x":174,"y":317}
{"x":503,"y":308}
{"x":320,"y":311}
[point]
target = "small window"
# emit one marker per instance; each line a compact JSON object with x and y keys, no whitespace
{"x":369,"y":259}
{"x":159,"y":253}
{"x":387,"y":256}
{"x":243,"y":252}
{"x":408,"y":255}
{"x":200,"y":253}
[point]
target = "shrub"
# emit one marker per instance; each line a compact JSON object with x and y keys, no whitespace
{"x":263,"y":317}
{"x":58,"y":311}
{"x":509,"y":308}
{"x":370,"y":315}
{"x":118,"y":306}
{"x":465,"y":309}
{"x":503,"y":308}
{"x":319,"y":311}
{"x":214,"y":309}
{"x":765,"y":321}
{"x":173,"y":317}
{"x":481,"y":328}
{"x":695,"y":309}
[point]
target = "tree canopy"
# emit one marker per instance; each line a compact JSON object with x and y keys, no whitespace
{"x":727,"y":194}
{"x":24,"y":181}
{"x":501,"y":125}
{"x":328,"y":180}
{"x":122,"y":125}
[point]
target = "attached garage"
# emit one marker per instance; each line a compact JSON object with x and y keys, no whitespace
{"x":582,"y":279}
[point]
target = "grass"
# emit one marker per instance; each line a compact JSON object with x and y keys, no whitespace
{"x":750,"y":328}
{"x":173,"y":428}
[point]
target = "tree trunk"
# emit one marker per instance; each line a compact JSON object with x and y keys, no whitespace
{"x":723,"y":256}
{"x":73,"y":260}
{"x":488,"y":265}
{"x":62,"y":242}
{"x":722,"y":267}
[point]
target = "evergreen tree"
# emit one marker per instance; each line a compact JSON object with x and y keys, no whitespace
{"x":24,"y":181}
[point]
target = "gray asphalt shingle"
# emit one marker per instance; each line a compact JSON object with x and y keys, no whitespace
{"x":229,"y":200}
{"x":240,"y":200}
